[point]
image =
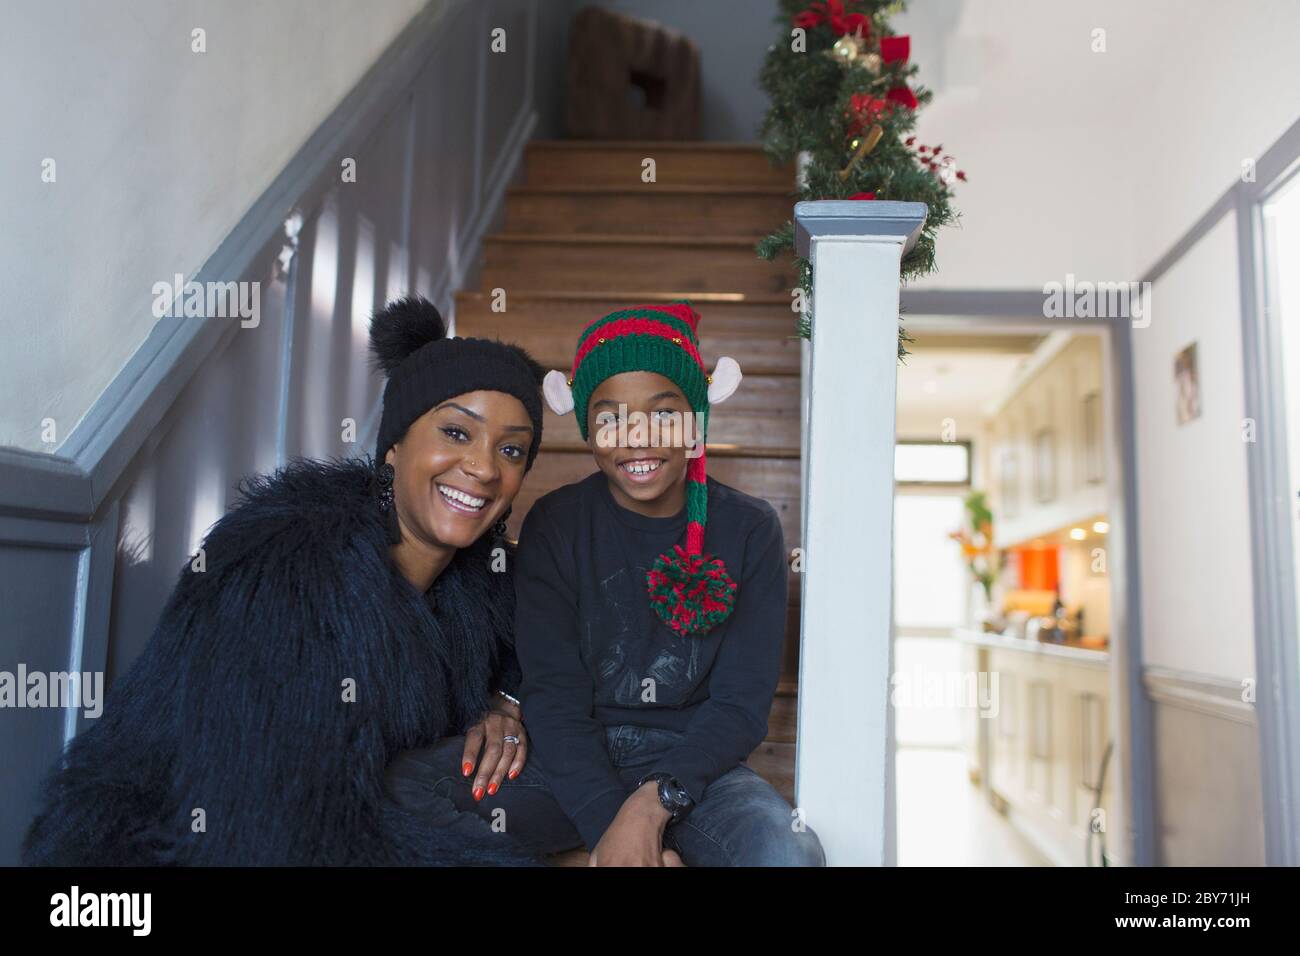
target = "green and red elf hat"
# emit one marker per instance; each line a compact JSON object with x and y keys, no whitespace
{"x":689,"y":590}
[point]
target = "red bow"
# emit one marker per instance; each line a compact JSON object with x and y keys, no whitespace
{"x":903,"y":96}
{"x":832,"y":12}
{"x":895,"y":49}
{"x":866,"y":110}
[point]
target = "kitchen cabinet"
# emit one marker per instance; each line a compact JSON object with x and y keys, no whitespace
{"x":1045,"y":742}
{"x":1047,"y":441}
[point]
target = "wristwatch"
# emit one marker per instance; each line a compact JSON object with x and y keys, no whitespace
{"x":672,"y":795}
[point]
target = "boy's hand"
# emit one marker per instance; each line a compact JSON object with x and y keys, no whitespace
{"x":636,"y":837}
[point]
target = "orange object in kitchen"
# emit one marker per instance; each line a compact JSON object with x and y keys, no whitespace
{"x":1039,"y":567}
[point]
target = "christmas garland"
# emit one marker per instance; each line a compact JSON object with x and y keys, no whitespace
{"x":842,"y":91}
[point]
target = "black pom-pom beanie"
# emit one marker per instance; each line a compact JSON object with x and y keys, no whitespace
{"x":425,"y":368}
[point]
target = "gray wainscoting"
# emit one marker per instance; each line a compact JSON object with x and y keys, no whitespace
{"x":93,"y":538}
{"x":1208,"y":789}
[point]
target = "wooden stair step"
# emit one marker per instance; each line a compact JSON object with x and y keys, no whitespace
{"x":764,"y":341}
{"x":549,"y":162}
{"x":774,"y":762}
{"x":591,"y":262}
{"x":783,"y":719}
{"x":649,"y":209}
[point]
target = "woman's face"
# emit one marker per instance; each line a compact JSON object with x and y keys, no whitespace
{"x":459,"y":466}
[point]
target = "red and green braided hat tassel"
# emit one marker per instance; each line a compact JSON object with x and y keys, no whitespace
{"x":689,"y":590}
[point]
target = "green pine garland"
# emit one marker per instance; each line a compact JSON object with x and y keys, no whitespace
{"x":809,"y":94}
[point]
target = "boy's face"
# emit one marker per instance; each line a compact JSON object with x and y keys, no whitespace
{"x":646,"y":466}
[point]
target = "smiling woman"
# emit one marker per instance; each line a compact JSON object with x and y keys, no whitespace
{"x":343,"y":613}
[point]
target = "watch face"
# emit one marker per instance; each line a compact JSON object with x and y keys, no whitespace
{"x":674,"y":794}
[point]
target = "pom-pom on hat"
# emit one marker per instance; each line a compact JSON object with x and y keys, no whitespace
{"x":425,"y":368}
{"x":689,"y":590}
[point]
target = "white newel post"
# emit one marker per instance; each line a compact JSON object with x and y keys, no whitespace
{"x":844,"y":771}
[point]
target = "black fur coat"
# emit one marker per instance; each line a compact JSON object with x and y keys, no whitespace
{"x":255,"y":726}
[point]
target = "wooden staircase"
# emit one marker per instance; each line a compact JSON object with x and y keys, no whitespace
{"x":583,"y":236}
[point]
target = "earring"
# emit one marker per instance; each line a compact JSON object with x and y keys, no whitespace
{"x":499,"y":529}
{"x":384,"y":475}
{"x":384,"y":486}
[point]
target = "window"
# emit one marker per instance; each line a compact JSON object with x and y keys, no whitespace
{"x":932,"y":463}
{"x":931,"y":583}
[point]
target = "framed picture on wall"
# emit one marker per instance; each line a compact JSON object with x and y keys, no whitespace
{"x":1044,"y":465}
{"x":1188,"y":384}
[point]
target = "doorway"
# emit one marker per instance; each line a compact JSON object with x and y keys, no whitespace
{"x":1010,"y":702}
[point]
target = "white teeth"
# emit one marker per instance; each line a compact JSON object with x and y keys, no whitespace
{"x":469,"y":501}
{"x":640,"y":467}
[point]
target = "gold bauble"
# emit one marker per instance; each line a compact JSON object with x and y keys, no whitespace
{"x":847,"y":49}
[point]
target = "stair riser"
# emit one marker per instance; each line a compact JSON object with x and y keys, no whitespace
{"x":623,"y":165}
{"x":757,"y":355}
{"x":593,"y":267}
{"x":562,"y":319}
{"x":647,"y":214}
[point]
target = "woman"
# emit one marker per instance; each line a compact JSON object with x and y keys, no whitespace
{"x":348,"y":610}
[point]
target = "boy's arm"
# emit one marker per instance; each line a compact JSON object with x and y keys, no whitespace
{"x":726,"y":728}
{"x":557,"y":690}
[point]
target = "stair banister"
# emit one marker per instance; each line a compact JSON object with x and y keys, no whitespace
{"x":844,"y":770}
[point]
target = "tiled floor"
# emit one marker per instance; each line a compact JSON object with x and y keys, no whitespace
{"x":944,"y":820}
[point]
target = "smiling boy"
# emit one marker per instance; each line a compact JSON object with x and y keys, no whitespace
{"x":650,"y":662}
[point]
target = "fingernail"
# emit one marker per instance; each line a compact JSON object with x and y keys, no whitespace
{"x":465,"y":768}
{"x":478,"y":793}
{"x":513,"y":774}
{"x":492,"y":789}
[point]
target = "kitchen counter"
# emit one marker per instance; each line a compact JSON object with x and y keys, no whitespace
{"x":1039,"y":748}
{"x":1082,"y":655}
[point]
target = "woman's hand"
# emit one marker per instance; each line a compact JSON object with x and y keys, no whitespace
{"x":500,"y":757}
{"x":636,"y":837}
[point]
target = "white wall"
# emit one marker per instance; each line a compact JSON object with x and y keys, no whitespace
{"x":159,"y":151}
{"x":1193,"y":514}
{"x":1094,"y":162}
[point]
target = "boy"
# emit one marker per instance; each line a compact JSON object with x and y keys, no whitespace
{"x":649,"y":665}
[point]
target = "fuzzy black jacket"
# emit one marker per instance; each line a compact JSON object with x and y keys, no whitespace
{"x":255,"y":726}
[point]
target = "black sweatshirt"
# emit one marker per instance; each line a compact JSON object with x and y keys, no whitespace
{"x":594,"y":654}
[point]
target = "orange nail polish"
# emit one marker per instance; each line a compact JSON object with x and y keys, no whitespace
{"x":465,"y":768}
{"x":478,"y":793}
{"x":492,"y":789}
{"x":513,"y":774}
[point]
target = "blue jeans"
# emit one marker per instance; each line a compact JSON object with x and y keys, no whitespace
{"x":741,"y":820}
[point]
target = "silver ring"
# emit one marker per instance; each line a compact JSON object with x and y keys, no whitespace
{"x":511,"y":739}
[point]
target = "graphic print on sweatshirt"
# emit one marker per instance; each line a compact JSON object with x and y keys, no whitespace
{"x":635,"y":660}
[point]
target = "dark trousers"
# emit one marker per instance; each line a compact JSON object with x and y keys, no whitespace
{"x":741,"y":820}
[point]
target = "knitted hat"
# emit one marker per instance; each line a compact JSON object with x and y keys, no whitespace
{"x":425,"y":368}
{"x":689,"y":590}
